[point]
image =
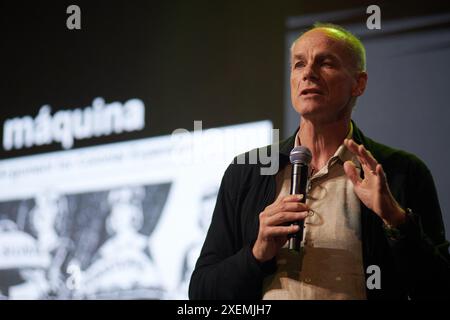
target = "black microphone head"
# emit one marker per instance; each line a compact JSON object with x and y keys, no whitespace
{"x":300,"y":155}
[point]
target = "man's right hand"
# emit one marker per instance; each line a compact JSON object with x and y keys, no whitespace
{"x":273,"y":231}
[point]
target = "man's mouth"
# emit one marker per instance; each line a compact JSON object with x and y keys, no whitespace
{"x":310,"y":91}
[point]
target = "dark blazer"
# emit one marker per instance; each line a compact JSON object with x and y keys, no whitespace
{"x":415,"y":265}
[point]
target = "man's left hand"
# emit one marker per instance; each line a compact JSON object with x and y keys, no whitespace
{"x":373,"y":190}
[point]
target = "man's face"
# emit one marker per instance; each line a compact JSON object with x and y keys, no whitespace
{"x":323,"y":77}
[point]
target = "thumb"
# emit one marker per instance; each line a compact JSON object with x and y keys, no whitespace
{"x":352,"y":174}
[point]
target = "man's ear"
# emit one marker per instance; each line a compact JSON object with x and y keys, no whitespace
{"x":360,"y":85}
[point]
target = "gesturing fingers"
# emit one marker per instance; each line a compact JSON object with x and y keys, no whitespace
{"x":380,"y":173}
{"x":364,"y":156}
{"x":369,"y":164}
{"x":352,"y":174}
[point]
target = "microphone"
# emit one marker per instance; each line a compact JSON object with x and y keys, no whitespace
{"x":300,"y":158}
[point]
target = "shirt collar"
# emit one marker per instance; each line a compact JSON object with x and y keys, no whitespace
{"x":342,"y":154}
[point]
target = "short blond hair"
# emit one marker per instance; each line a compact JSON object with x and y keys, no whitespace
{"x":353,"y":44}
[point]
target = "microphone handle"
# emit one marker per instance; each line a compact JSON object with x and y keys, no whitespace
{"x":299,"y":181}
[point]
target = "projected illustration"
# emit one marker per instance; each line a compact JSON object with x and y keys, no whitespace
{"x":91,"y":245}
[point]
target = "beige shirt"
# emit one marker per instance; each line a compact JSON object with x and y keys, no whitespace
{"x":329,"y":265}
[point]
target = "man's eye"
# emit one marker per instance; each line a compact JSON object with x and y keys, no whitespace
{"x":299,"y":64}
{"x":327,"y":63}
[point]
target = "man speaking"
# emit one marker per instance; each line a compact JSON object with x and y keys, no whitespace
{"x":368,"y":206}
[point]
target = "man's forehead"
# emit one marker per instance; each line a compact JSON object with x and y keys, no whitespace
{"x":321,"y":42}
{"x":317,"y":35}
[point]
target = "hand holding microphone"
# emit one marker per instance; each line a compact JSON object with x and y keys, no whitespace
{"x":276,"y":221}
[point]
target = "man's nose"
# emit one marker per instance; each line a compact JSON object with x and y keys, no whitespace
{"x":309,"y":72}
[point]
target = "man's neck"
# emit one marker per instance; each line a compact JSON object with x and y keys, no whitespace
{"x":322,"y":139}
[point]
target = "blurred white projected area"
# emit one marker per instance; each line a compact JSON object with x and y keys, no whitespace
{"x":118,"y":221}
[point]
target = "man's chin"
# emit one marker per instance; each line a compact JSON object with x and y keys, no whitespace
{"x":310,"y":109}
